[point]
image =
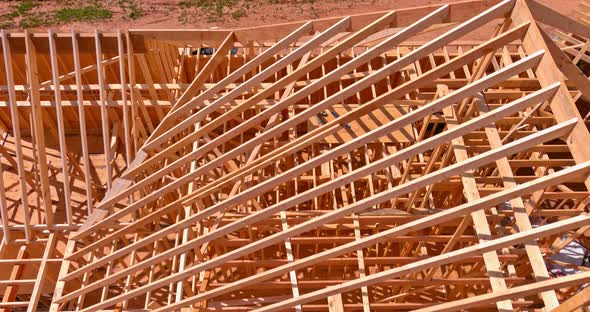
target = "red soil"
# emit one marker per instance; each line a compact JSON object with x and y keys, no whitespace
{"x":170,"y":14}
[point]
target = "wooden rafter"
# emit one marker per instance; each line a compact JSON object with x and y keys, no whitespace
{"x":329,"y":165}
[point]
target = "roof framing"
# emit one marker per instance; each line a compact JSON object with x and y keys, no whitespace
{"x":335,"y":164}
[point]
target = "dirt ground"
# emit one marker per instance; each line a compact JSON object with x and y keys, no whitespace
{"x":126,"y":14}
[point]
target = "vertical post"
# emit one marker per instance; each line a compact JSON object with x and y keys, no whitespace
{"x":4,"y":209}
{"x":34,"y":98}
{"x":16,"y":131}
{"x":60,"y":125}
{"x":134,"y":113}
{"x":83,"y":136}
{"x":124,"y":97}
{"x":104,"y":118}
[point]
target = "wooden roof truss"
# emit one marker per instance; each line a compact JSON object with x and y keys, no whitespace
{"x":336,"y":164}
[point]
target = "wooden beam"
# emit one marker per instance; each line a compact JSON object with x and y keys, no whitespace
{"x":519,"y":291}
{"x":539,"y":232}
{"x":480,"y":222}
{"x":104,"y":115}
{"x":38,"y":118}
{"x":576,"y":301}
{"x":426,"y":145}
{"x":258,"y":78}
{"x":4,"y":210}
{"x":359,"y":206}
{"x":122,"y":75}
{"x":455,"y":33}
{"x":521,"y":216}
{"x":16,"y":131}
{"x":220,"y":54}
{"x":335,"y":303}
{"x":82,"y":121}
{"x":60,"y":127}
{"x":392,"y":126}
{"x":547,"y":15}
{"x":575,"y":172}
{"x":562,"y":105}
{"x":41,"y":273}
{"x":11,"y":291}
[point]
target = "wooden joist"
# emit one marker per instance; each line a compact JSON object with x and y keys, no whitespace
{"x":326,"y":165}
